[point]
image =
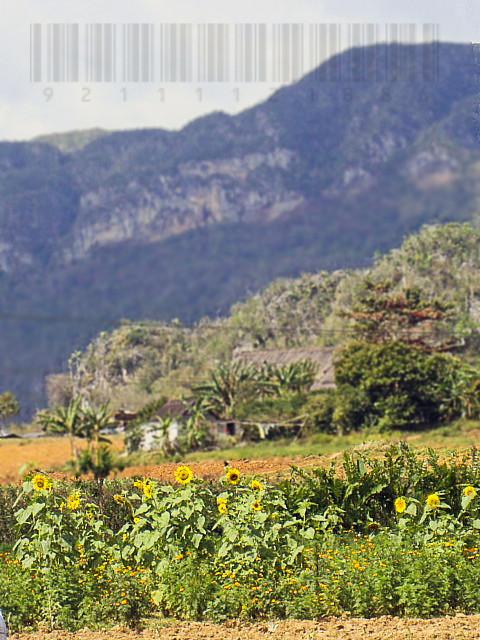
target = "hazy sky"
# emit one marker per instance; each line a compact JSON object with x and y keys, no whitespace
{"x":28,"y":109}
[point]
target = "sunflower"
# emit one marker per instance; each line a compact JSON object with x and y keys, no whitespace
{"x":433,"y":501}
{"x":136,"y":520}
{"x":469,"y":491}
{"x":233,"y":476}
{"x":256,"y":486}
{"x":73,"y":501}
{"x":119,"y":499}
{"x":222,"y":508}
{"x":400,"y":505}
{"x":138,"y":484}
{"x":147,"y":490}
{"x":183,"y":475}
{"x":256,"y":506}
{"x":41,"y":482}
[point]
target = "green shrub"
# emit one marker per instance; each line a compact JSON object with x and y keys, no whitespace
{"x":401,"y":386}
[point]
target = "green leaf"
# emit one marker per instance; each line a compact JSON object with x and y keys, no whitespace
{"x":224,"y":550}
{"x":411,"y":509}
{"x":201,"y":522}
{"x":196,"y":539}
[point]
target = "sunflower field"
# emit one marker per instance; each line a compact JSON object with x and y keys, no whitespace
{"x":396,"y":536}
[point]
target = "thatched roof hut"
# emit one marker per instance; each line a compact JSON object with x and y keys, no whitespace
{"x":322,"y":357}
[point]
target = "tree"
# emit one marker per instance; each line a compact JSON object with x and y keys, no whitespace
{"x":381,"y":315}
{"x":197,"y":435}
{"x":8,"y":407}
{"x":94,"y":421}
{"x":65,"y":420}
{"x":225,"y":387}
{"x":396,"y":385}
{"x":290,"y":378}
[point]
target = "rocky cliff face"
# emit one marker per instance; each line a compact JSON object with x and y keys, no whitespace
{"x":196,"y":194}
{"x":154,"y":223}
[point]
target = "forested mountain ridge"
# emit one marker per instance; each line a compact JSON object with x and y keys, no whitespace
{"x":161,"y":224}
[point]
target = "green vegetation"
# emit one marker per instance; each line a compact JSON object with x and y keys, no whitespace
{"x":139,"y":362}
{"x":407,"y":338}
{"x":396,"y":535}
{"x":84,"y":422}
{"x":8,"y":407}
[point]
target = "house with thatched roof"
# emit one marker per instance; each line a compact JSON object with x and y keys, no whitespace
{"x":322,"y":357}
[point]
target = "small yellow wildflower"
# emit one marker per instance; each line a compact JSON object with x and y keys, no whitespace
{"x":256,"y":486}
{"x":400,"y":505}
{"x":256,"y":506}
{"x":233,"y":476}
{"x":41,"y":482}
{"x":136,"y":520}
{"x":183,"y":475}
{"x":469,"y":491}
{"x":222,"y":508}
{"x":433,"y":501}
{"x":73,"y":501}
{"x":138,"y":484}
{"x":119,"y":499}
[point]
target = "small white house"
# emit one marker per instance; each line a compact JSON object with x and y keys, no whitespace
{"x":152,"y":436}
{"x":152,"y":433}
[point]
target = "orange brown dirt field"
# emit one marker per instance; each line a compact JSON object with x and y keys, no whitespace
{"x":48,"y":453}
{"x":43,"y":453}
{"x":460,"y":627}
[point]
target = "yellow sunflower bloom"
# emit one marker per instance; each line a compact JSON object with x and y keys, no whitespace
{"x":119,"y":499}
{"x":469,"y":491}
{"x":136,"y":520}
{"x":73,"y":501}
{"x":222,"y":508}
{"x":147,"y":490}
{"x":233,"y":476}
{"x":138,"y":484}
{"x":256,"y":506}
{"x":400,"y":505}
{"x":256,"y":486}
{"x":41,"y":482}
{"x":183,"y":475}
{"x":433,"y":501}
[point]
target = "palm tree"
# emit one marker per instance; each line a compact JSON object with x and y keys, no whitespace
{"x":197,"y":434}
{"x":63,"y":420}
{"x":290,"y":378}
{"x":94,"y":421}
{"x":222,"y":390}
{"x":163,"y":425}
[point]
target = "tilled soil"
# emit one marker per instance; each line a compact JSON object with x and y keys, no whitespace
{"x":460,"y":627}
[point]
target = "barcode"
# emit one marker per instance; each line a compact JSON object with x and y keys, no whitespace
{"x":242,"y":52}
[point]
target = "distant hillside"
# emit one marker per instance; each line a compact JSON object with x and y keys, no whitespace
{"x":157,"y":224}
{"x":142,"y":360}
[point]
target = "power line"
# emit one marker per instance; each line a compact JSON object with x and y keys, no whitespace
{"x":216,"y":325}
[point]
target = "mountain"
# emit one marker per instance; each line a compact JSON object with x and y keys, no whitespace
{"x":98,"y":225}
